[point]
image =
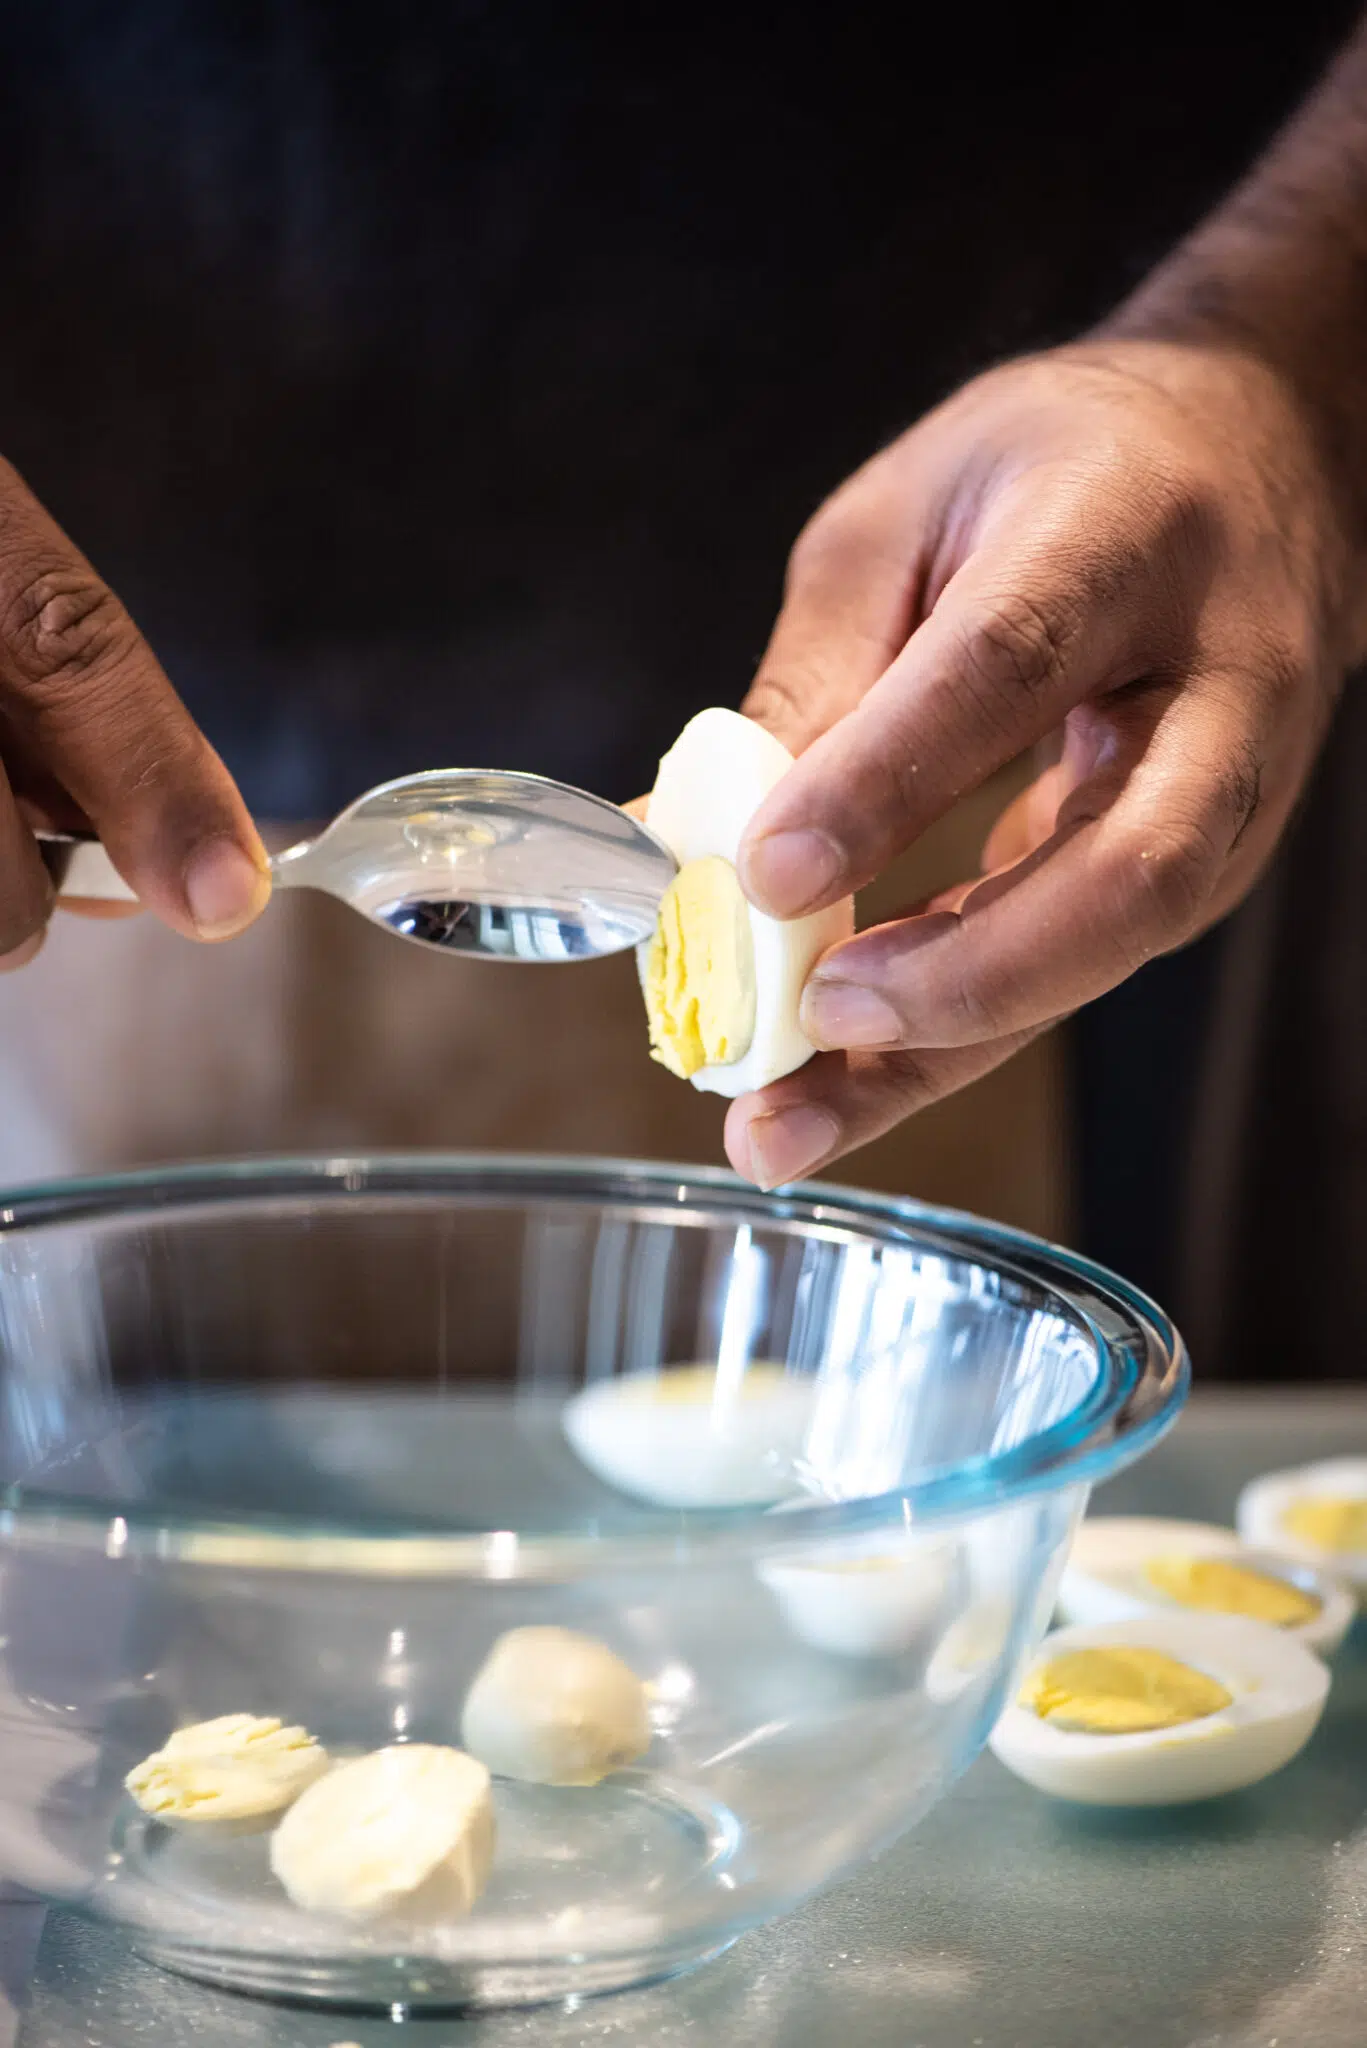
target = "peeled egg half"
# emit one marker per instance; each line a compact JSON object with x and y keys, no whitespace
{"x":407,"y":1830}
{"x":555,"y":1708}
{"x":1161,"y":1710}
{"x":1123,"y":1565}
{"x":1315,"y":1512}
{"x":865,"y":1597}
{"x":684,"y":1438}
{"x":722,"y":982}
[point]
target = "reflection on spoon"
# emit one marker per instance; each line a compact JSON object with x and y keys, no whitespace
{"x":493,"y":865}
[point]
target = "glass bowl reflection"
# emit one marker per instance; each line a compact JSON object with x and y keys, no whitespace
{"x":290,"y":1438}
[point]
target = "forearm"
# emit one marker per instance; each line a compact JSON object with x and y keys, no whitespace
{"x":1279,"y":274}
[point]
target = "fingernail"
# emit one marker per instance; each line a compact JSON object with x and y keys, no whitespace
{"x":786,"y":871}
{"x":786,"y":1143}
{"x":20,"y":955}
{"x":224,"y":888}
{"x":842,"y":1014}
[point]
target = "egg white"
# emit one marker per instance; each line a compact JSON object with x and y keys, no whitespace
{"x":1278,"y":1686}
{"x":1264,"y":1501}
{"x":969,"y":1649}
{"x":1104,"y":1578}
{"x":721,"y":1449}
{"x":709,"y":786}
{"x":871,"y":1596}
{"x":550,"y":1706}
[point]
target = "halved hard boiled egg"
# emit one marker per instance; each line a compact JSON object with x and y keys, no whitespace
{"x":867,"y":1596}
{"x":1122,"y":1565}
{"x":691,"y":1437}
{"x":1316,"y":1512}
{"x":1161,"y":1710}
{"x":722,"y":982}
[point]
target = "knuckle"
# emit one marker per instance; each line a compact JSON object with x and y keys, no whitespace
{"x":65,"y":627}
{"x":801,"y":691}
{"x":827,"y":543}
{"x":1016,"y":647}
{"x":1161,"y":492}
{"x":74,"y":652}
{"x":1242,"y":793}
{"x":809,"y":554}
{"x":976,"y":1008}
{"x":782,"y":696}
{"x":1172,"y":872}
{"x":912,"y":1079}
{"x":843,"y":551}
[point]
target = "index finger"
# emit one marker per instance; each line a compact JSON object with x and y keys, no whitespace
{"x":84,"y":696}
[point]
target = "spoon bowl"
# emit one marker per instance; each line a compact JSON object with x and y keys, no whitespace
{"x":494,"y":865}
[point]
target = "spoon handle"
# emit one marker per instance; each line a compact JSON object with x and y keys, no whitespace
{"x":80,"y":867}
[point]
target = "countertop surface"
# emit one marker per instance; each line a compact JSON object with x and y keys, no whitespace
{"x":1003,"y":1921}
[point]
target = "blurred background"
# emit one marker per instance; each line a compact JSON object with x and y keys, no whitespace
{"x":448,"y":388}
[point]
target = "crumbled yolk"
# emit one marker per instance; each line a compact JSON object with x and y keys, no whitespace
{"x":1121,"y":1690}
{"x":700,"y":971}
{"x":1219,"y":1587}
{"x":696,"y":1385}
{"x":1327,"y":1521}
{"x":237,"y":1767}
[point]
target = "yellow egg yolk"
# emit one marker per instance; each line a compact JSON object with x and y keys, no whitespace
{"x":700,"y":971}
{"x":1328,"y":1522}
{"x":696,"y":1385}
{"x":1219,"y":1587}
{"x":1117,"y":1689}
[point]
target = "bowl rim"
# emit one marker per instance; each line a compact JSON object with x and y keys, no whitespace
{"x":1136,"y":1396}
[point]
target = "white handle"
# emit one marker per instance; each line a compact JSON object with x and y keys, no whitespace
{"x":79,"y":866}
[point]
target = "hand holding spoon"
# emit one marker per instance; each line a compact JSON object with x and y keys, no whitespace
{"x":498,"y":866}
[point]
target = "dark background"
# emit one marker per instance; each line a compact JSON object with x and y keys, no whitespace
{"x":446,"y":383}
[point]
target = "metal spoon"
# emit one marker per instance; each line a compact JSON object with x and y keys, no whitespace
{"x":499,"y":866}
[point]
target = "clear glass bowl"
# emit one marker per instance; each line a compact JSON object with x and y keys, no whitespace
{"x":290,"y":1438}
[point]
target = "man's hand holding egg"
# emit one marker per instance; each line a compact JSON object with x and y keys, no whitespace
{"x":727,"y":987}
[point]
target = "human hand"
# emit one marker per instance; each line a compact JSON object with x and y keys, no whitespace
{"x":92,"y":735}
{"x":1129,"y":546}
